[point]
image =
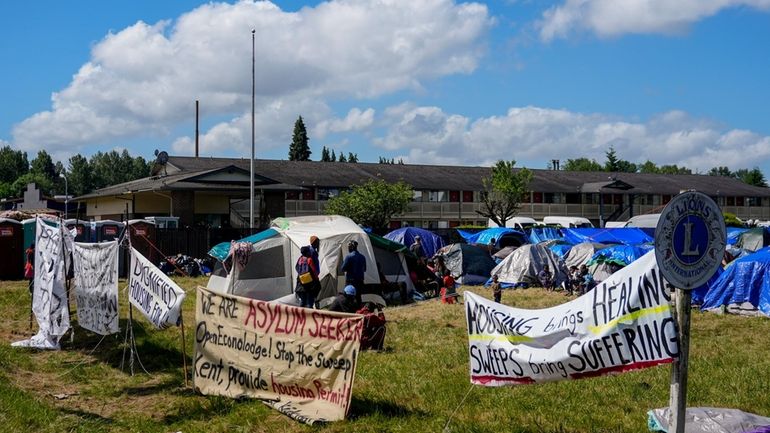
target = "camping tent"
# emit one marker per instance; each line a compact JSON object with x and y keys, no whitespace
{"x":392,"y":258}
{"x":269,"y":272}
{"x":431,"y":242}
{"x":469,"y":263}
{"x":504,"y":237}
{"x":753,"y":239}
{"x":523,"y":265}
{"x":541,"y":234}
{"x":581,"y":253}
{"x":609,"y":260}
{"x":744,"y":287}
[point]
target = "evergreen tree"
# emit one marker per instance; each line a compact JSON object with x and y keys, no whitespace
{"x":342,"y":158}
{"x":43,"y":166}
{"x":325,"y":157}
{"x":721,"y":171}
{"x":79,"y":176}
{"x":333,"y":157}
{"x":352,"y":157}
{"x":751,"y":177}
{"x":299,"y":149}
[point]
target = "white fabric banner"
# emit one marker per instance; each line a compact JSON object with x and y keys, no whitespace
{"x":154,"y":293}
{"x":300,"y":361}
{"x":622,"y":324}
{"x":49,"y":299}
{"x":96,"y":286}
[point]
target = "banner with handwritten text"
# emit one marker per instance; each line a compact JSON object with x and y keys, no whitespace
{"x":49,"y":297}
{"x":96,"y":286}
{"x":622,"y":324}
{"x":299,"y":361}
{"x":154,"y":293}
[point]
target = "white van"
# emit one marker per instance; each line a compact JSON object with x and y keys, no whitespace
{"x":518,"y":223}
{"x":568,"y":222}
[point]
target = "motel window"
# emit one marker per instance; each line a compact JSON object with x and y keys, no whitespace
{"x":739,"y":201}
{"x":468,"y":197}
{"x":417,"y":196}
{"x":437,"y":196}
{"x":308,"y":195}
{"x":755,"y":201}
{"x":454,"y":196}
{"x":572,"y":198}
{"x":537,"y":197}
{"x":731,"y":201}
{"x":551,"y":197}
{"x":292,"y":195}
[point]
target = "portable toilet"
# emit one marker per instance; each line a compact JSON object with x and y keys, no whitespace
{"x":142,"y":235}
{"x":83,"y":229}
{"x":12,"y":245}
{"x":30,"y":231}
{"x":108,"y":230}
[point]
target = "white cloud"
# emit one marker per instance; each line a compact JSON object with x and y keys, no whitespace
{"x":616,"y":17}
{"x":142,"y":80}
{"x":356,"y":120}
{"x":535,"y":135}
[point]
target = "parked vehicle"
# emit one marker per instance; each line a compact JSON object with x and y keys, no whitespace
{"x":518,"y":223}
{"x":568,"y":222}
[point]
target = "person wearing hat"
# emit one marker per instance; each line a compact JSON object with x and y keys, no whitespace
{"x":346,"y":301}
{"x":354,"y":266}
{"x":314,"y":244}
{"x":417,"y":249}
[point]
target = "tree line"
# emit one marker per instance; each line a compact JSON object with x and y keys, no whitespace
{"x":613,"y":163}
{"x":84,"y":175}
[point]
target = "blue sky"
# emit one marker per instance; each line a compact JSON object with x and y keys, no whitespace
{"x":434,"y":81}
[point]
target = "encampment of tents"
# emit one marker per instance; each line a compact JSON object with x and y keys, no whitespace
{"x":524,"y":264}
{"x":503,"y":236}
{"x":431,"y":242}
{"x":626,"y":236}
{"x":582,"y":253}
{"x":744,"y":287}
{"x":268,"y":273}
{"x":470,"y":264}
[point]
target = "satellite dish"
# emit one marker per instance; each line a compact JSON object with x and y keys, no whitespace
{"x":162,"y":158}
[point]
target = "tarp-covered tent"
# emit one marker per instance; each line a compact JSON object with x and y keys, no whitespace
{"x":699,"y":293}
{"x":541,"y":234}
{"x":431,"y":242}
{"x":269,"y":273}
{"x":582,"y":253}
{"x":503,"y":236}
{"x":469,"y":264}
{"x":733,"y":234}
{"x":753,"y":239}
{"x":523,"y":265}
{"x":744,"y":287}
{"x":626,"y":236}
{"x":609,"y":260}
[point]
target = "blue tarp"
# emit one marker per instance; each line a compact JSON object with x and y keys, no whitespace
{"x":431,"y":242}
{"x":541,"y":234}
{"x":699,"y":294}
{"x":620,"y":235}
{"x":745,"y":280}
{"x":620,"y":254}
{"x":221,"y":250}
{"x":734,"y":233}
{"x":496,"y":233}
{"x":560,"y":250}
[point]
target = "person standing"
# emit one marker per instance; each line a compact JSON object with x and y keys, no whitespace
{"x":315,"y":243}
{"x":29,"y":274}
{"x":417,"y":249}
{"x":307,"y":279}
{"x":497,"y":291}
{"x":354,"y":266}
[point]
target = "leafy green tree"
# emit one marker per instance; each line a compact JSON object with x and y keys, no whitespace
{"x":648,"y":167}
{"x":13,"y":163}
{"x":80,"y":177}
{"x":43,"y":183}
{"x":43,"y":165}
{"x":325,"y":156}
{"x":721,"y":171}
{"x":373,"y":203}
{"x":674,"y":169}
{"x":112,"y":168}
{"x":582,"y":164}
{"x":5,"y":190}
{"x":751,"y":177}
{"x":299,"y":149}
{"x":504,"y":191}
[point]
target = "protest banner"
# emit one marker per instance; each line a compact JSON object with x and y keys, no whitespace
{"x":49,"y":298}
{"x":299,"y":361}
{"x":154,"y":293}
{"x":623,"y":324}
{"x":96,"y":286}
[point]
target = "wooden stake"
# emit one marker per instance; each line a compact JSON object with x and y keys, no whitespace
{"x":184,"y":352}
{"x":678,"y":403}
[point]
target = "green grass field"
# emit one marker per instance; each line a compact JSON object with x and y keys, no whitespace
{"x":415,"y":385}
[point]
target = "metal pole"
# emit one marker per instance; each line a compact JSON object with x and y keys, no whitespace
{"x":251,"y":161}
{"x":678,"y":399}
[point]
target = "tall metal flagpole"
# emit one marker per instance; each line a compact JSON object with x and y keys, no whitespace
{"x":251,"y":161}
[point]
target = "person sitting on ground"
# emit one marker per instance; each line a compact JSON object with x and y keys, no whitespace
{"x":448,"y":292}
{"x":345,"y":302}
{"x":497,"y":291}
{"x":586,"y":280}
{"x":545,"y":277}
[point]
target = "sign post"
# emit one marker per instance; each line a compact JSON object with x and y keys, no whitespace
{"x":689,"y":245}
